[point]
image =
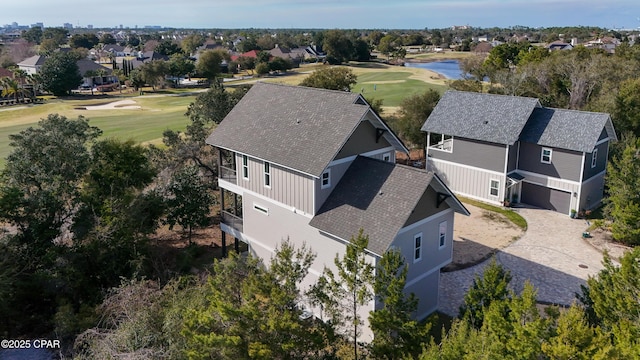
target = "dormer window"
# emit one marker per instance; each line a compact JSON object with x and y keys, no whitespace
{"x":545,"y":156}
{"x":325,"y":179}
{"x":441,"y":142}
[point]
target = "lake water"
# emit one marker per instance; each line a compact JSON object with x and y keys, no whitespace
{"x":449,"y":68}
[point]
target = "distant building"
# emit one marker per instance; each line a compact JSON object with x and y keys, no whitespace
{"x":67,"y":26}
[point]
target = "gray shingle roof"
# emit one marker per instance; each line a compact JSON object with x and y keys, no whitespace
{"x":376,"y":196}
{"x":566,"y":129}
{"x":485,"y":117}
{"x":297,"y":127}
{"x":33,"y":61}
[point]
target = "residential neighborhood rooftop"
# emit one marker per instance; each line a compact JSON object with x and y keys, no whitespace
{"x":297,"y":127}
{"x":373,"y":195}
{"x":567,"y":129}
{"x":486,"y":117}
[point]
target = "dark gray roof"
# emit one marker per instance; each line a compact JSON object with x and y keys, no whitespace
{"x":85,"y":65}
{"x":566,"y":129}
{"x":33,"y":61}
{"x":486,"y":117}
{"x":297,"y":127}
{"x":373,"y":195}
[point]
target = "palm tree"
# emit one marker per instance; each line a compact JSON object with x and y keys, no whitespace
{"x":12,"y":87}
{"x":34,"y":80}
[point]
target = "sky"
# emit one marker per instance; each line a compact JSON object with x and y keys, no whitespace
{"x":325,"y":14}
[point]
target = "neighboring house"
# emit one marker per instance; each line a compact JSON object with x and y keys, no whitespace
{"x":315,"y":166}
{"x":496,"y":147}
{"x":559,"y":45}
{"x":32,"y":65}
{"x":94,"y":74}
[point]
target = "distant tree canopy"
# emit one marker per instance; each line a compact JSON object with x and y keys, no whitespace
{"x":208,"y":65}
{"x":333,"y":78}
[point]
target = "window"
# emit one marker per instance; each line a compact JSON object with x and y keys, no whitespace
{"x":545,"y":156}
{"x":494,"y":188}
{"x":594,"y":158}
{"x":245,"y":167}
{"x":267,"y":174}
{"x":386,"y":157}
{"x":441,"y":142}
{"x":325,"y":180}
{"x":417,"y":241}
{"x":261,"y":209}
{"x":442,"y":234}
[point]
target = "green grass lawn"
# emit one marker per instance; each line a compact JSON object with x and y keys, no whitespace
{"x":513,"y":216}
{"x":143,"y":125}
{"x":392,"y":86}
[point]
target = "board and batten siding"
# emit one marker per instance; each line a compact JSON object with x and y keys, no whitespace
{"x":287,"y":186}
{"x":601,"y":161}
{"x":362,"y":140}
{"x":468,"y":181}
{"x":565,"y":164}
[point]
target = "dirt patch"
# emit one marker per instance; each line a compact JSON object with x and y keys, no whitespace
{"x":480,"y":235}
{"x":602,"y":240}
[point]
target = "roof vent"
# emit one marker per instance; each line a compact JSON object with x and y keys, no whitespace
{"x":297,"y":121}
{"x":380,"y":193}
{"x":485,"y":122}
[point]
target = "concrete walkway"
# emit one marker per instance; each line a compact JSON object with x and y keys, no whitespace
{"x":551,"y":255}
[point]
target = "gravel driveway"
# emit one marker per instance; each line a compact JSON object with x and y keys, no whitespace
{"x":551,"y":255}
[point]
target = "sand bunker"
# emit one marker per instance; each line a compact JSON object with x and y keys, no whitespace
{"x":122,"y":104}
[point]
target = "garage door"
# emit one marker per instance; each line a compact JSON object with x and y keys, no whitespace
{"x":546,"y":198}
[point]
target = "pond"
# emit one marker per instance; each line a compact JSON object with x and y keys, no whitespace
{"x":449,"y":68}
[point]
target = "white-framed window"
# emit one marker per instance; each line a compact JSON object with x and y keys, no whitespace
{"x":545,"y":155}
{"x":442,"y":234}
{"x":494,"y":187}
{"x":386,"y":157}
{"x":417,"y":246}
{"x":245,"y":167}
{"x":594,"y":158}
{"x":325,"y":179}
{"x":261,"y":209}
{"x":441,"y":142}
{"x":267,"y":174}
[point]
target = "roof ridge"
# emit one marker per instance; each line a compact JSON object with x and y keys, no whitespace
{"x":576,"y":110}
{"x":313,"y":88}
{"x":494,"y":95}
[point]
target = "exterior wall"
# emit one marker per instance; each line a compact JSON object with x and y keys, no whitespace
{"x":426,"y":207}
{"x":592,"y":192}
{"x":469,"y":181}
{"x":601,"y":161}
{"x":565,"y":164}
{"x":265,"y":232}
{"x":473,"y":153}
{"x":554,"y":183}
{"x":512,"y":163}
{"x":421,"y":273}
{"x":337,"y":171}
{"x":361,"y":141}
{"x":287,"y":186}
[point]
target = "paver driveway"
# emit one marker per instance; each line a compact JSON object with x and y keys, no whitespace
{"x":551,"y":255}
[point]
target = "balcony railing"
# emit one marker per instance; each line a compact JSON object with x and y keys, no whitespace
{"x":232,"y":221}
{"x":228,"y":174}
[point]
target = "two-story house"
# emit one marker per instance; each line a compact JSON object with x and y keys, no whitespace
{"x":315,"y":166}
{"x":496,"y":147}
